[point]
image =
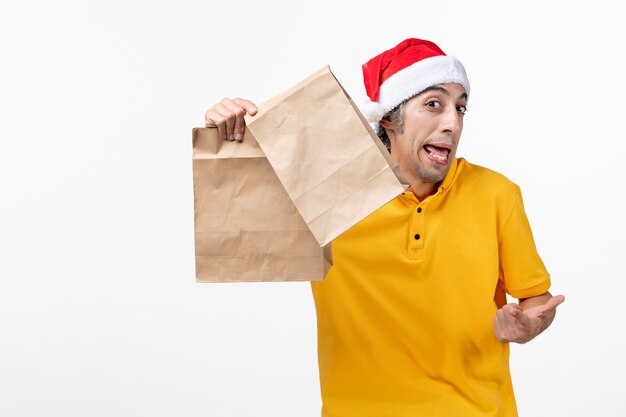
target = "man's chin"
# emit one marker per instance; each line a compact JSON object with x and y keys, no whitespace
{"x":432,"y":175}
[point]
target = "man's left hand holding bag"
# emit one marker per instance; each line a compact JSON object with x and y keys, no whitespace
{"x":228,"y":117}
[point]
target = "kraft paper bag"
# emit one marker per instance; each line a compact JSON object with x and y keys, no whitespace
{"x":326,"y":155}
{"x":246,"y":226}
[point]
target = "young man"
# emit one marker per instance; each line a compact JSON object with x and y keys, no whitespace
{"x":412,"y":317}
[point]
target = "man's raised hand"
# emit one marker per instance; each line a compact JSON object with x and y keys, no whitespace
{"x":227,"y":116}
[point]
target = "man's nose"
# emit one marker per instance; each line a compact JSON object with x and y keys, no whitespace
{"x":451,"y":122}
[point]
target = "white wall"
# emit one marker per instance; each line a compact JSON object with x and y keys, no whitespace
{"x":99,"y":311}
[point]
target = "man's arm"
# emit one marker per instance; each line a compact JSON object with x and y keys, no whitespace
{"x":522,"y":322}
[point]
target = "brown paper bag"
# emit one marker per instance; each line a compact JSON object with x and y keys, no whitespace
{"x":246,"y":226}
{"x":326,"y":155}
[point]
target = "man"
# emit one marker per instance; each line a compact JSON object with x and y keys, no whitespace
{"x":412,"y":317}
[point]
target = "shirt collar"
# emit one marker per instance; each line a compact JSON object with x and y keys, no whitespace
{"x":445,"y":185}
{"x":448,"y":180}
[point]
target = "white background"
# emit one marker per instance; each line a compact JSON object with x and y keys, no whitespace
{"x":100,"y":314}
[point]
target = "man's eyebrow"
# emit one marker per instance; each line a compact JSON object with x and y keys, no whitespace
{"x":435,"y":88}
{"x":441,"y":90}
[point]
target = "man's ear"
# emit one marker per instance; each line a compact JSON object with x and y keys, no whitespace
{"x":390,"y":128}
{"x":387,"y":124}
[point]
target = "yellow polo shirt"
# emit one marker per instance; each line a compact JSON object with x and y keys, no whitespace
{"x":405,"y":315}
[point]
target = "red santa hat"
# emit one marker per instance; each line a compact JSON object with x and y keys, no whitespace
{"x":404,"y":71}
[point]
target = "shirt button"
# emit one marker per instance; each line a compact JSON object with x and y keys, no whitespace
{"x":419,"y":209}
{"x":417,"y":237}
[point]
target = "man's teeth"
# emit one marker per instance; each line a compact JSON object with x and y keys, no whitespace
{"x":442,"y":158}
{"x":437,"y":153}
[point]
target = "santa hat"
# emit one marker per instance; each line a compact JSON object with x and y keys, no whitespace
{"x":404,"y":71}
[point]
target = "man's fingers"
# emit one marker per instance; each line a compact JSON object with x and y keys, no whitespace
{"x":552,"y":304}
{"x":235,"y":123}
{"x":228,"y":117}
{"x":233,"y":111}
{"x":518,"y":320}
{"x":223,"y":116}
{"x":512,"y":322}
{"x":507,"y":327}
{"x":214,"y":119}
{"x":512,"y":310}
{"x":239,"y":128}
{"x":501,"y":332}
{"x":239,"y":123}
{"x":249,"y":106}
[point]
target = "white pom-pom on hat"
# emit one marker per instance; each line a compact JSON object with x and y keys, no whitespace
{"x":373,"y":111}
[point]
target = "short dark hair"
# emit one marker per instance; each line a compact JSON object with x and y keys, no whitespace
{"x":395,"y":115}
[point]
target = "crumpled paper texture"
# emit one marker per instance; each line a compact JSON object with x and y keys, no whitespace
{"x":326,"y":155}
{"x":246,"y":226}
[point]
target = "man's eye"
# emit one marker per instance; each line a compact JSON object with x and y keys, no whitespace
{"x":461,"y":109}
{"x":433,"y":104}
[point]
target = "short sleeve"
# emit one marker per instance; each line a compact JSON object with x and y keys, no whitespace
{"x":521,"y":268}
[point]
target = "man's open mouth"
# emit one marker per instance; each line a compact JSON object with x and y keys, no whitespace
{"x":436,"y":153}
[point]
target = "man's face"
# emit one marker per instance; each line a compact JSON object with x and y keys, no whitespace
{"x":433,"y":122}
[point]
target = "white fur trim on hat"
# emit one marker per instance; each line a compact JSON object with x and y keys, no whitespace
{"x":373,"y":111}
{"x":414,"y":79}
